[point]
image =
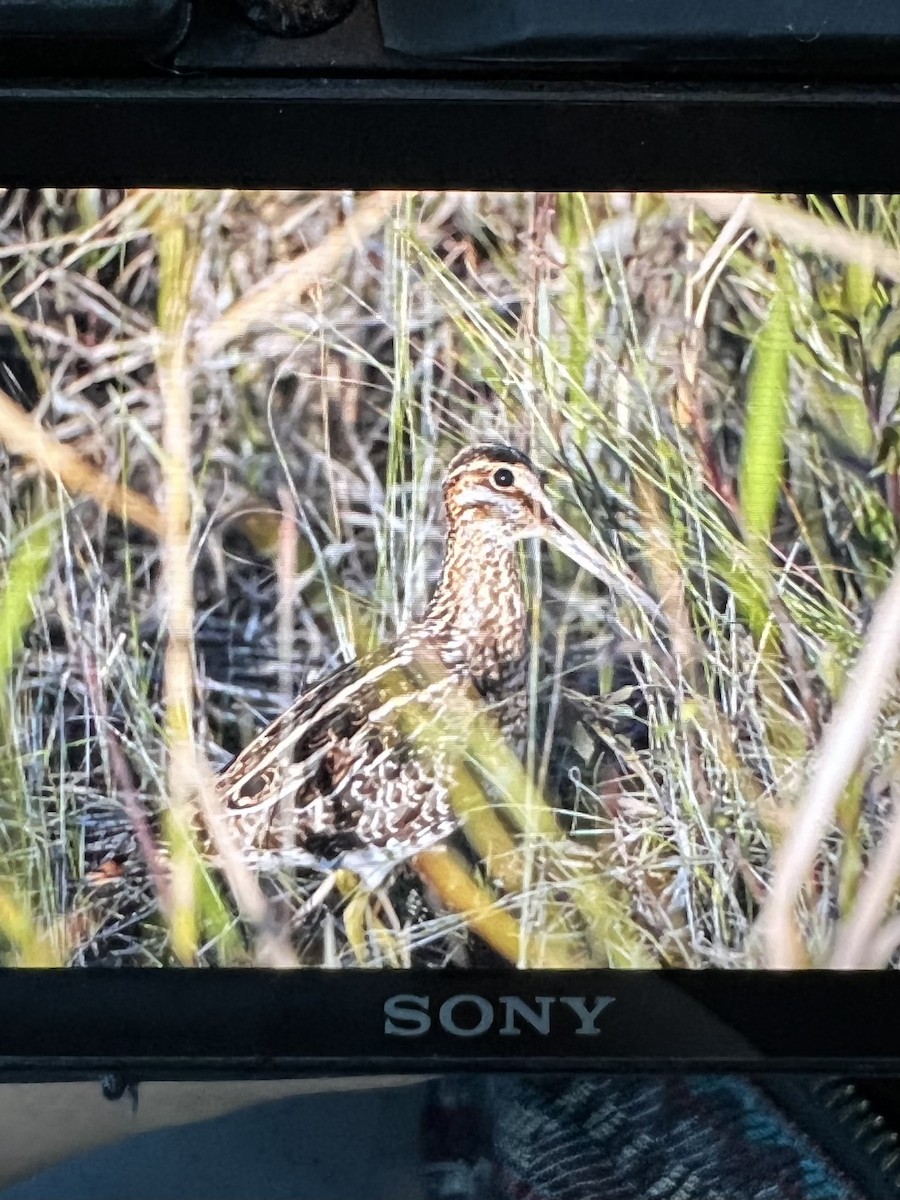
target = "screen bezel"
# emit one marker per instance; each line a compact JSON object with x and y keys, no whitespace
{"x":432,"y":133}
{"x":490,"y":135}
{"x":173,"y":1024}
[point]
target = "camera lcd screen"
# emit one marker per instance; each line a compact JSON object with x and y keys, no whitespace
{"x":448,"y":579}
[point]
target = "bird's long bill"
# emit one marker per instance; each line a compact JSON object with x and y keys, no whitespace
{"x":560,"y":534}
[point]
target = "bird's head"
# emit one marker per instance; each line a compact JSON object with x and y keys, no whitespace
{"x":500,"y":490}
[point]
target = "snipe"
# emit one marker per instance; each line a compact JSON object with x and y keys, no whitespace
{"x":359,"y":771}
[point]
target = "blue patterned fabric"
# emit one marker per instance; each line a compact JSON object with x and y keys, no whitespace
{"x":671,"y":1137}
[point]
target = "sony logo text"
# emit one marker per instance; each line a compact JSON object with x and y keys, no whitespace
{"x":468,"y":1015}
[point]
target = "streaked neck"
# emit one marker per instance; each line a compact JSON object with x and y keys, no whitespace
{"x":478,"y":605}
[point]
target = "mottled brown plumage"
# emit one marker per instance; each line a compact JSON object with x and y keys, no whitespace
{"x":360,"y":770}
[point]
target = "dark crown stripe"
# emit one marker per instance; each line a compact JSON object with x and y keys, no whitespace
{"x":493,"y":452}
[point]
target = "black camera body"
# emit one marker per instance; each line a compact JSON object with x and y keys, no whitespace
{"x":396,"y":94}
{"x":712,"y":96}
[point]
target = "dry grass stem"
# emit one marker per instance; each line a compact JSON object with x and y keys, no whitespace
{"x":271,"y":298}
{"x":463,"y":894}
{"x":189,"y":779}
{"x":288,"y":543}
{"x":121,"y":773}
{"x":21,"y":434}
{"x":177,"y":263}
{"x":271,"y":937}
{"x":858,"y":941}
{"x":774,"y":218}
{"x":843,"y":744}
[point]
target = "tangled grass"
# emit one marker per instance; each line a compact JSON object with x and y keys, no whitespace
{"x":273,"y":382}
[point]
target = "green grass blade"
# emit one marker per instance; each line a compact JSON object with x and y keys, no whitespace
{"x":762,"y":464}
{"x":25,"y":576}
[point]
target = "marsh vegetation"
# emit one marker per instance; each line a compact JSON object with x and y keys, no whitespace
{"x":225,"y":420}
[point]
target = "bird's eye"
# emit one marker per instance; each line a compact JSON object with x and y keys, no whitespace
{"x":504,"y":477}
